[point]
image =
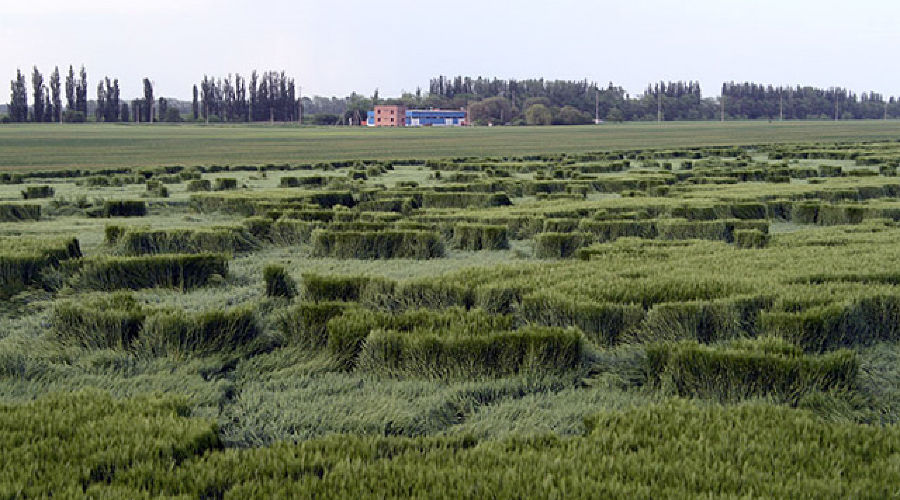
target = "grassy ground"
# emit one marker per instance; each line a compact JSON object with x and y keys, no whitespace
{"x":721,"y":305}
{"x":98,"y":146}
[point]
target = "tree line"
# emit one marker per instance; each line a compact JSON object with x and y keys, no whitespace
{"x":272,"y":96}
{"x":577,"y":101}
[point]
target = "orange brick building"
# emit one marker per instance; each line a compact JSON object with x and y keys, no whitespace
{"x":390,"y":116}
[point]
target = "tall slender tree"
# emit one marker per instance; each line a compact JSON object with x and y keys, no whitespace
{"x":70,"y":89}
{"x":148,"y":101}
{"x":37,"y":85}
{"x":81,"y":92}
{"x":100,"y":110}
{"x":195,"y":106}
{"x":18,"y":103}
{"x":112,"y":100}
{"x":55,"y":96}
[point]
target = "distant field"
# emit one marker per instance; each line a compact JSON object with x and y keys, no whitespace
{"x":100,"y":146}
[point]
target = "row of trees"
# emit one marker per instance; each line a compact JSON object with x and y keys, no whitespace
{"x":47,"y":101}
{"x":272,"y":96}
{"x":754,"y":101}
{"x":267,"y":97}
{"x":509,"y":101}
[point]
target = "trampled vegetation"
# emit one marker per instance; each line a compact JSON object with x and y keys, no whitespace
{"x":720,"y":320}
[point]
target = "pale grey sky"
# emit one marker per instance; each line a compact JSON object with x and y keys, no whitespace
{"x":337,"y":46}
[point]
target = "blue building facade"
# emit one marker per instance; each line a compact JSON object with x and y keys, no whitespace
{"x":428,"y":118}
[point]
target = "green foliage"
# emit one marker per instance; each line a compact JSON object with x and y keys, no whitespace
{"x":278,"y":282}
{"x":559,"y":245}
{"x":453,"y":354}
{"x":750,"y":238}
{"x":12,"y":212}
{"x":461,"y":199}
{"x":604,"y":324}
{"x":162,"y":270}
{"x":124,"y":208}
{"x":304,"y":324}
{"x":625,"y":453}
{"x":66,"y":445}
{"x":98,"y":322}
{"x":225,"y":183}
{"x":25,"y":261}
{"x":206,"y":333}
{"x":480,"y":237}
{"x":34,"y":192}
{"x":347,"y":333}
{"x":764,"y":367}
{"x":195,"y":185}
{"x":136,"y":241}
{"x":118,"y":321}
{"x":377,"y":244}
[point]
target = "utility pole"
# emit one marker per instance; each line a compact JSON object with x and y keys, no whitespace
{"x":597,"y":107}
{"x":299,"y":105}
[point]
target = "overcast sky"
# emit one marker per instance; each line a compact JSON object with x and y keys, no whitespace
{"x":337,"y":46}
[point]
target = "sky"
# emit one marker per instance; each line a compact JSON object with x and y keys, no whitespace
{"x":338,"y":46}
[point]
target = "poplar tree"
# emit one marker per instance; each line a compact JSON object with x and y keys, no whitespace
{"x":70,"y":90}
{"x":18,"y":103}
{"x":55,"y":95}
{"x":148,"y":101}
{"x":195,"y":106}
{"x":37,"y":84}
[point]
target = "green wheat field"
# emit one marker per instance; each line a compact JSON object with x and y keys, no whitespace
{"x":620,"y":311}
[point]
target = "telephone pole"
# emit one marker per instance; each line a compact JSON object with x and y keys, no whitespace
{"x":597,"y":107}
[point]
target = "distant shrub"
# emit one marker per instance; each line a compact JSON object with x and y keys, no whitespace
{"x":347,"y":333}
{"x":451,"y":354}
{"x":23,"y":261}
{"x":199,"y":185}
{"x":124,"y":208}
{"x":304,"y":324}
{"x":163,"y":270}
{"x":475,"y":237}
{"x":178,"y":333}
{"x":293,"y":232}
{"x":675,"y":229}
{"x":750,"y":238}
{"x":703,"y":320}
{"x":278,"y":282}
{"x":830,"y":215}
{"x":605,"y":324}
{"x":321,"y":288}
{"x":559,"y":245}
{"x":34,"y":192}
{"x":765,"y":367}
{"x":377,"y":244}
{"x":465,"y":200}
{"x":611,"y":230}
{"x":10,"y":212}
{"x":224,"y":184}
{"x":98,"y":322}
{"x":136,"y":241}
